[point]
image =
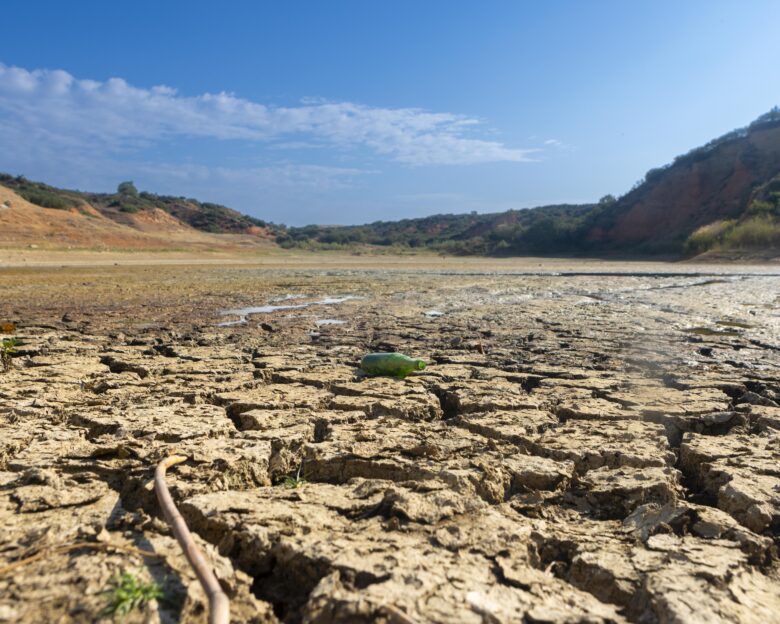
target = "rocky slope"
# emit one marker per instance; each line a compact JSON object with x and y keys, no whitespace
{"x":582,"y":448}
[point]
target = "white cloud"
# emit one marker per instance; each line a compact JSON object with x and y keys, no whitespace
{"x":59,"y":112}
{"x":558,"y":144}
{"x":288,"y":177}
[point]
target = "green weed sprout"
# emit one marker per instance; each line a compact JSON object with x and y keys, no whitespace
{"x":7,"y":347}
{"x":128,"y":592}
{"x":294,"y":482}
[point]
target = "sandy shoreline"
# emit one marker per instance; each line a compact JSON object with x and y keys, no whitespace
{"x":281,"y":259}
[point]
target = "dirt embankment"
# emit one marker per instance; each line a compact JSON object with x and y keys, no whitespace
{"x":694,"y":192}
{"x":582,"y":448}
{"x":23,"y":224}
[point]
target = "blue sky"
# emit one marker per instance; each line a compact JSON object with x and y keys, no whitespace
{"x":349,"y":112}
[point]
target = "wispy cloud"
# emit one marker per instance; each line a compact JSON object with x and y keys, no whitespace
{"x":287,"y":177}
{"x":60,"y":111}
{"x":558,"y":144}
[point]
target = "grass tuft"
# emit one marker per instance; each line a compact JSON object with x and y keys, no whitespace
{"x":128,"y":592}
{"x":7,"y":348}
{"x":293,"y":482}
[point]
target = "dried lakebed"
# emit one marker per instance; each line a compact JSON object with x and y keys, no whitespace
{"x":582,"y":448}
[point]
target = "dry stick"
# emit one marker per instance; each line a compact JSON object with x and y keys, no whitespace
{"x":219,"y":605}
{"x":53,"y":550}
{"x":399,"y":615}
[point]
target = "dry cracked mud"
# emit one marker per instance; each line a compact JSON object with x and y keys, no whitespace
{"x":581,"y":448}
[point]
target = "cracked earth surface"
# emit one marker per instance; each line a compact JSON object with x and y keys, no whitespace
{"x":581,"y":448}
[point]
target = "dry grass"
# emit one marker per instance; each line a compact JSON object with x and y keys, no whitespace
{"x":757,"y":232}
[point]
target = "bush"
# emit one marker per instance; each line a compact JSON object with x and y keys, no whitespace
{"x":46,"y":199}
{"x":127,"y":188}
{"x":128,"y":203}
{"x":759,"y":231}
{"x":759,"y":207}
{"x":707,"y":237}
{"x":41,"y":194}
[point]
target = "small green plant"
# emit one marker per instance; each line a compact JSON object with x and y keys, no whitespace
{"x":128,"y":592}
{"x":7,"y":348}
{"x":294,"y":482}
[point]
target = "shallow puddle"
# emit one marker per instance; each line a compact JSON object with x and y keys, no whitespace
{"x":738,"y":324}
{"x":321,"y":322}
{"x":334,"y":300}
{"x":287,"y":297}
{"x":709,"y":331}
{"x":243,"y":313}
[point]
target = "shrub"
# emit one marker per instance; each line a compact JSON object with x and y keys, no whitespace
{"x":760,"y":207}
{"x":128,"y":203}
{"x":707,"y":237}
{"x":127,"y":188}
{"x":41,"y":194}
{"x":49,"y":199}
{"x":759,"y":231}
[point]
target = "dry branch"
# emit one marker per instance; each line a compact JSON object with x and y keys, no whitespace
{"x":53,"y":550}
{"x":219,"y":605}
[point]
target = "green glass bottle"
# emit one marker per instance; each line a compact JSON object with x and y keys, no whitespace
{"x":390,"y":365}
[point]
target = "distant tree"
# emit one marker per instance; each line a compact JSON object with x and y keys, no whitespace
{"x":127,"y":188}
{"x":654,"y":174}
{"x":607,"y":199}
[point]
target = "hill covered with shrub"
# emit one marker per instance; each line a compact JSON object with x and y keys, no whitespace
{"x":127,"y":200}
{"x":722,"y":196}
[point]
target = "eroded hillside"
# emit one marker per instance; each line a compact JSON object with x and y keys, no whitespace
{"x":81,"y":225}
